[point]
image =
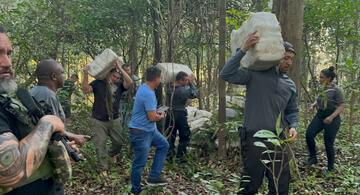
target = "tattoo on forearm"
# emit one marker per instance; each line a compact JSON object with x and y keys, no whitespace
{"x":19,"y":160}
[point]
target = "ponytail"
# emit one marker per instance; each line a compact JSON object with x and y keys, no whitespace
{"x":329,"y":72}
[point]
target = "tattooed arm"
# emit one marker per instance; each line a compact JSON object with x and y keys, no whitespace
{"x":19,"y":159}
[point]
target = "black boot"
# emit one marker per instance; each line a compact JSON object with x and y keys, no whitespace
{"x":331,"y":168}
{"x":311,"y":161}
{"x":170,"y":155}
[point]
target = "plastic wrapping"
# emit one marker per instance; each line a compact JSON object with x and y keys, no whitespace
{"x":197,"y":118}
{"x":269,"y":51}
{"x":170,"y":70}
{"x":103,"y":64}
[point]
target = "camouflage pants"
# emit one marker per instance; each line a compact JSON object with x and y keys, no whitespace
{"x":103,"y":130}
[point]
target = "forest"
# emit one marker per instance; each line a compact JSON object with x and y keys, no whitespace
{"x":197,"y":33}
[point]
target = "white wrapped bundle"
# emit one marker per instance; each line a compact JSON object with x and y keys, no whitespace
{"x":197,"y":124}
{"x":195,"y":114}
{"x":237,"y":100}
{"x":170,"y":70}
{"x":197,"y":118}
{"x":103,"y":63}
{"x":269,"y":51}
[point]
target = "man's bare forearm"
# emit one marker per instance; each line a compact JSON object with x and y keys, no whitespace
{"x":19,"y":160}
{"x":127,"y":79}
{"x":85,"y":87}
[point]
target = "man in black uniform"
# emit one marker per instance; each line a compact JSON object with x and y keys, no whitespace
{"x":268,"y":94}
{"x":177,"y":95}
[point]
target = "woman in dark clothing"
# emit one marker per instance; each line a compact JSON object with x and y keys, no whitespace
{"x":329,"y":104}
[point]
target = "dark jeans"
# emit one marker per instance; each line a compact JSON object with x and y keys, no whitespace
{"x":39,"y":187}
{"x":330,"y":131}
{"x":141,"y":142}
{"x":177,"y":122}
{"x":254,"y":170}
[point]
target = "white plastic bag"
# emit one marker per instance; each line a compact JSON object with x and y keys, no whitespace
{"x":195,"y":114}
{"x":170,"y":70}
{"x":197,"y":118}
{"x":270,"y":49}
{"x":197,"y":124}
{"x":103,"y":64}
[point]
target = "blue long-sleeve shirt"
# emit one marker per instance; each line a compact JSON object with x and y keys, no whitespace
{"x":268,"y":94}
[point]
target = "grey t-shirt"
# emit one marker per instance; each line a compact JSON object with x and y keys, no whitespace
{"x":268,"y":94}
{"x":330,"y":98}
{"x":44,"y":94}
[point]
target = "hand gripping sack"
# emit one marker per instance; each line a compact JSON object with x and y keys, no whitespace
{"x":269,"y":51}
{"x":103,"y":64}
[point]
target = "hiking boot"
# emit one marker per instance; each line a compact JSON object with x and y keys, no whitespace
{"x":114,"y":152}
{"x":135,"y":193}
{"x":160,"y":181}
{"x":170,"y":156}
{"x":181,"y":160}
{"x":329,"y":172}
{"x":311,"y":161}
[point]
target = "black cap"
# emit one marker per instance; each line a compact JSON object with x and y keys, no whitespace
{"x":289,"y":47}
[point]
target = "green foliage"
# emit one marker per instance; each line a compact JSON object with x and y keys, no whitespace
{"x":265,"y":134}
{"x":235,"y":18}
{"x":74,"y":31}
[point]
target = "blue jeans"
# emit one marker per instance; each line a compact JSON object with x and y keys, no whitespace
{"x":141,"y":142}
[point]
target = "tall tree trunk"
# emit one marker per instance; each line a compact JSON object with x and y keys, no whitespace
{"x":198,"y":76}
{"x":221,"y":84}
{"x":170,"y":31}
{"x":156,"y":31}
{"x":338,"y":49}
{"x":156,"y":13}
{"x":133,"y":57}
{"x":133,"y":47}
{"x":198,"y":56}
{"x":176,"y":8}
{"x":353,"y":94}
{"x":209,"y":79}
{"x":290,"y":14}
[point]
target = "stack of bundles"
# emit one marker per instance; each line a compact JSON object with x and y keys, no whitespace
{"x":104,"y":63}
{"x":235,"y":100}
{"x":233,"y":104}
{"x":197,"y":118}
{"x":269,"y":51}
{"x":170,"y":70}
